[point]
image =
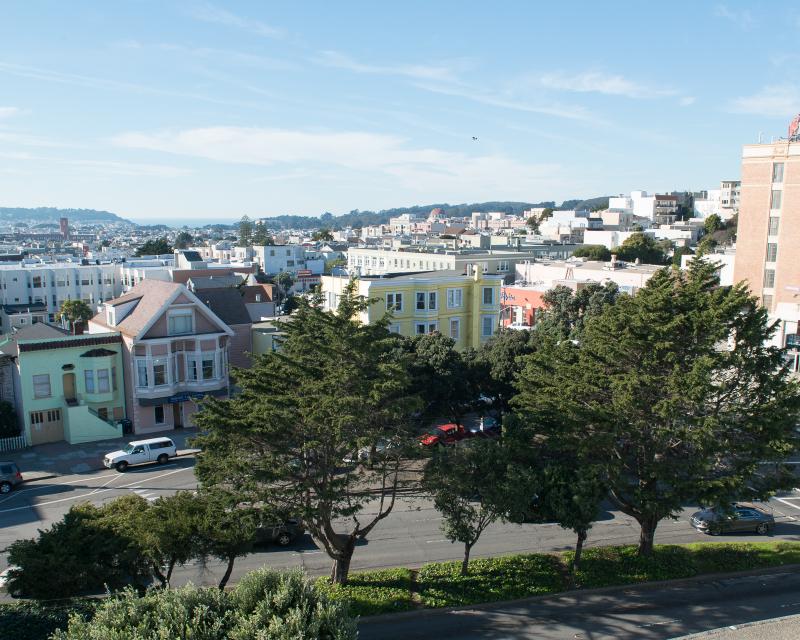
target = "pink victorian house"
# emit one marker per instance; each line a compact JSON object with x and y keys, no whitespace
{"x":175,"y":352}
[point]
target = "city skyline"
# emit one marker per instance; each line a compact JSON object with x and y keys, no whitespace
{"x":197,"y":111}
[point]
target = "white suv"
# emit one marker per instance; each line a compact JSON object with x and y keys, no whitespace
{"x":154,"y":450}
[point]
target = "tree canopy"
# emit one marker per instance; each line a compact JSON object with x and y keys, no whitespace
{"x":335,"y":386}
{"x":652,"y":392}
{"x":157,"y":247}
{"x":74,"y":312}
{"x":593,"y":252}
{"x":642,"y":247}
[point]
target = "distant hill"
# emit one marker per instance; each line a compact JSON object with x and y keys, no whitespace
{"x":589,"y":204}
{"x":358,"y":218}
{"x":52,"y":214}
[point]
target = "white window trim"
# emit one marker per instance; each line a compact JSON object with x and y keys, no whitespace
{"x":452,"y":294}
{"x":180,"y":313}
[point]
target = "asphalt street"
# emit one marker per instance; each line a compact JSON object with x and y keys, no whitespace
{"x":649,"y":612}
{"x":410,"y":536}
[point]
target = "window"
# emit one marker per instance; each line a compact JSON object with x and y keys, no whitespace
{"x":41,"y":386}
{"x":103,"y":382}
{"x":777,"y":172}
{"x":776,"y":199}
{"x":455,"y":329}
{"x":774,"y":224}
{"x":191,"y":368}
{"x":420,"y":301}
{"x":37,"y":282}
{"x":208,"y":367}
{"x":102,"y":413}
{"x":432,"y":300}
{"x":772,"y":251}
{"x":488,"y":296}
{"x":769,"y":278}
{"x":159,"y":372}
{"x":419,"y":328}
{"x":158,"y":412}
{"x":487,"y":325}
{"x":113,"y":378}
{"x":141,"y":373}
{"x":394,"y":301}
{"x":455,"y":298}
{"x":394,"y":328}
{"x":766,"y":301}
{"x":180,"y":323}
{"x":88,"y":377}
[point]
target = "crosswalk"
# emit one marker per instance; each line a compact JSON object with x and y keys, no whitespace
{"x":145,"y":493}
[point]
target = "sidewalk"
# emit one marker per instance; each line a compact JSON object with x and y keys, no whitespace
{"x":61,"y":458}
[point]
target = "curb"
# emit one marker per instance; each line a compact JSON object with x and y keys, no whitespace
{"x":649,"y":586}
{"x":50,"y":476}
{"x":735,"y":627}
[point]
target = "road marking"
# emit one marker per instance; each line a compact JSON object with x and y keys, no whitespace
{"x":432,"y":541}
{"x":793,"y":604}
{"x":788,"y":504}
{"x":655,"y":624}
{"x":101,"y":490}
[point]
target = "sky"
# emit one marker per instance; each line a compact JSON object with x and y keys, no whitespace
{"x":182,"y":110}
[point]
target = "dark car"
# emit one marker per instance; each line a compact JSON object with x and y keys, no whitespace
{"x":740,"y":517}
{"x":9,"y":476}
{"x":281,"y":534}
{"x":444,"y":434}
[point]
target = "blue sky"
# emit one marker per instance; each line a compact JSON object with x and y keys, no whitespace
{"x":191,"y":110}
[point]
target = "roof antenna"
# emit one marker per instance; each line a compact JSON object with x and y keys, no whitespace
{"x":760,"y":137}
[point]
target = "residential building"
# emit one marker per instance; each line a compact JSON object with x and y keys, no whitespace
{"x":729,"y":198}
{"x":519,"y":305}
{"x":575,"y":272}
{"x":769,"y":233}
{"x":175,"y":352}
{"x":379,"y":261}
{"x":276,"y":258}
{"x":228,"y":304}
{"x":67,"y":388}
{"x":465,"y":307}
{"x":42,"y":287}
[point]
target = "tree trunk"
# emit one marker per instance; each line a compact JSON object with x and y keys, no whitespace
{"x":228,"y":571}
{"x":647,"y":534}
{"x":465,"y":561}
{"x":164,"y":580}
{"x":341,"y":568}
{"x":576,"y":561}
{"x":170,"y":567}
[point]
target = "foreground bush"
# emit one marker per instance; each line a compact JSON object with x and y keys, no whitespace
{"x":373,"y":592}
{"x":609,"y":566}
{"x":490,"y":579}
{"x":265,"y":605}
{"x":37,"y":621}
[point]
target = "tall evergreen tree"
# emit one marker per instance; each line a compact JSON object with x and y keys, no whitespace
{"x":675,"y":391}
{"x":335,"y":385}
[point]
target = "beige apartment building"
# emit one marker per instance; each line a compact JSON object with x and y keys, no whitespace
{"x":768,"y":234}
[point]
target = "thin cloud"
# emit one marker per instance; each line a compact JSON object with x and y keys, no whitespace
{"x":778,"y":101}
{"x":103,"y":166}
{"x":598,"y":82}
{"x":742,"y":18}
{"x":363,"y":153}
{"x":340,"y":60}
{"x":8,"y":112}
{"x":569,"y":112}
{"x":687,"y":101}
{"x":211,"y":14}
{"x":90,"y":82}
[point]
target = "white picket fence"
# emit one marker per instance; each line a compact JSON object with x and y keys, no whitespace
{"x":13,"y":444}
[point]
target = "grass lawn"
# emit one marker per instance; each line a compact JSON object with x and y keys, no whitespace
{"x":373,"y":592}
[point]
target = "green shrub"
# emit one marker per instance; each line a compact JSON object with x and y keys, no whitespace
{"x":37,"y":621}
{"x":372,"y":592}
{"x":490,"y":580}
{"x":732,"y":556}
{"x":266,"y":605}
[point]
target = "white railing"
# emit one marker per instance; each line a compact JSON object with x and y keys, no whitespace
{"x":13,"y":444}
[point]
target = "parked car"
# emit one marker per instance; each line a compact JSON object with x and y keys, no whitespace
{"x":5,"y":576}
{"x":140,"y":451}
{"x":443,"y":435}
{"x":740,"y":517}
{"x":363,"y":455}
{"x":281,"y":534}
{"x":10,"y":476}
{"x":486,"y":426}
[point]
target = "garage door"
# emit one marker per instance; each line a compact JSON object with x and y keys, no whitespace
{"x":46,"y":426}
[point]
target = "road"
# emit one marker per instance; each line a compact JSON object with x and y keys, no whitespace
{"x":648,"y":612}
{"x":410,"y":536}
